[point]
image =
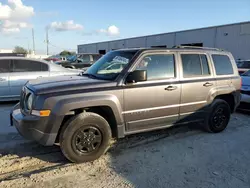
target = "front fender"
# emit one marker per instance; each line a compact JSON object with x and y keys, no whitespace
{"x":66,"y":105}
{"x":61,"y":105}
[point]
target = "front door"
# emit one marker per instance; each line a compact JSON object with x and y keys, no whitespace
{"x":153,"y":103}
{"x":4,"y":78}
{"x":198,"y":84}
{"x":23,"y":71}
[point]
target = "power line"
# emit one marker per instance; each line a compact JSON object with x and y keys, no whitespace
{"x":68,"y":49}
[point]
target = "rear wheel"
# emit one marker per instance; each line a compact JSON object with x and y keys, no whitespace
{"x":85,"y":137}
{"x":219,"y":116}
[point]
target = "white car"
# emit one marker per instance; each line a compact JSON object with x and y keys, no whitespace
{"x":16,"y":71}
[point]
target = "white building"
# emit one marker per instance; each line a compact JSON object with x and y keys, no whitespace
{"x":5,"y":51}
{"x":232,"y":37}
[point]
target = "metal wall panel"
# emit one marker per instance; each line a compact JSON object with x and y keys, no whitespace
{"x":135,"y":42}
{"x":114,"y":45}
{"x":87,"y":48}
{"x":102,"y":46}
{"x":233,"y":39}
{"x":205,"y":36}
{"x":161,"y":40}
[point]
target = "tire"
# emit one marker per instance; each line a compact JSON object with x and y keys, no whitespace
{"x":218,"y":117}
{"x":76,"y":136}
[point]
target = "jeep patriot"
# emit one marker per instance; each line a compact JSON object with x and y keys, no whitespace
{"x":129,"y":91}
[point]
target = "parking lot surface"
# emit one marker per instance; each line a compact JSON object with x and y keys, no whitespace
{"x":178,"y":157}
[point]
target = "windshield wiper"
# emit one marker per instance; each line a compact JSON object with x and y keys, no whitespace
{"x":89,"y":75}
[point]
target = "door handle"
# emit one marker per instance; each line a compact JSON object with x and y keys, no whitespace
{"x":171,"y":88}
{"x":207,"y":84}
{"x":2,"y":79}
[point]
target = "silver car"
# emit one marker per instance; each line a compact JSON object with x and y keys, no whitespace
{"x":16,"y":71}
{"x":245,"y":89}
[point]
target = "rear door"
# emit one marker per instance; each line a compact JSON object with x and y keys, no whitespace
{"x":4,"y":77}
{"x":198,"y":84}
{"x":24,"y":70}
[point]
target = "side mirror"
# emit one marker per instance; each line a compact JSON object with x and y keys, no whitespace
{"x":137,"y":76}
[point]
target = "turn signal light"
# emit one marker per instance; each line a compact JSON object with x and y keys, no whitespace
{"x":44,"y":113}
{"x":41,"y":113}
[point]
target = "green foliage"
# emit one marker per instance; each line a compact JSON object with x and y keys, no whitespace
{"x":20,"y":50}
{"x":66,"y":53}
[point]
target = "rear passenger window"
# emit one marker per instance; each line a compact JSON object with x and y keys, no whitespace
{"x":158,"y":66}
{"x":204,"y":63}
{"x":222,"y":64}
{"x":26,"y":66}
{"x":4,"y":66}
{"x":195,"y":65}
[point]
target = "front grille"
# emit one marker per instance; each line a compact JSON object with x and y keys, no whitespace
{"x":245,"y":92}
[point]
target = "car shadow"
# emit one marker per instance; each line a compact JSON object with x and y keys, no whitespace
{"x":53,"y":156}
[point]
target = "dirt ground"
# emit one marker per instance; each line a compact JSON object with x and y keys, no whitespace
{"x":178,"y":157}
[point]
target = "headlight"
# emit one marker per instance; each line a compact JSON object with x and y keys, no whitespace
{"x":29,"y":101}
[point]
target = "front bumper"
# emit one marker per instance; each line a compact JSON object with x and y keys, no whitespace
{"x":30,"y":127}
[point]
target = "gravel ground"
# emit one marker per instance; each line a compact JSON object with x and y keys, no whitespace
{"x":177,"y":157}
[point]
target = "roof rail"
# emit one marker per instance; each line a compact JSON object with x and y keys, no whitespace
{"x":198,"y":47}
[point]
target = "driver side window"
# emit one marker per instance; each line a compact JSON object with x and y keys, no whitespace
{"x":158,"y":66}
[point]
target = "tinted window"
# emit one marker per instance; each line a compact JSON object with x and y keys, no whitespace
{"x":84,"y":58}
{"x":205,"y":66}
{"x":26,"y":66}
{"x":158,"y":66}
{"x":4,"y":66}
{"x":194,"y":65}
{"x":222,"y":64}
{"x":44,"y":67}
{"x":243,"y":64}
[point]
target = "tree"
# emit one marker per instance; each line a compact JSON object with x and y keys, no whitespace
{"x":20,"y":50}
{"x":66,"y":53}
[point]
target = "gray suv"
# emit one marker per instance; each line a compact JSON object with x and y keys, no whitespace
{"x":154,"y":89}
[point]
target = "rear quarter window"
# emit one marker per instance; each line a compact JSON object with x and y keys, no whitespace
{"x":222,"y":64}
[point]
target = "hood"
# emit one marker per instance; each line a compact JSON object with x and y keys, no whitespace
{"x":66,"y":83}
{"x":245,"y":80}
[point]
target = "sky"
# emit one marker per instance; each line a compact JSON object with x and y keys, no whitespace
{"x":73,"y":22}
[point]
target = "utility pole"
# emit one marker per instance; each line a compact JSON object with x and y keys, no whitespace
{"x":47,"y":40}
{"x":33,"y":37}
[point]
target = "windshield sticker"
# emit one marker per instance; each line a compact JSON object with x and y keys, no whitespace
{"x":121,"y":59}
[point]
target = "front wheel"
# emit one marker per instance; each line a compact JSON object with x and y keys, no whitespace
{"x":219,"y":116}
{"x":85,"y":137}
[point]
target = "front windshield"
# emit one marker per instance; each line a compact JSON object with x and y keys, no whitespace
{"x":243,"y":64}
{"x":110,"y":65}
{"x":246,"y":73}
